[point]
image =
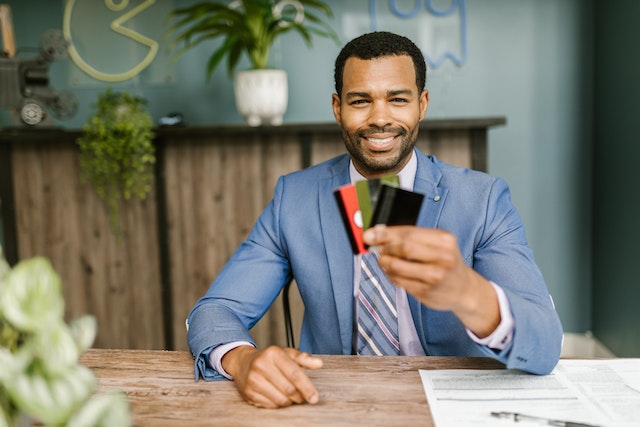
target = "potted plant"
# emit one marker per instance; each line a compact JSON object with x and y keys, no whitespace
{"x":250,"y":27}
{"x":117,"y":152}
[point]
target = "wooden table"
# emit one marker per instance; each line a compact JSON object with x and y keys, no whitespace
{"x":354,"y":390}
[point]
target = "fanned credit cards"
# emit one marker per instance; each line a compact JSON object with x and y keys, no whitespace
{"x":375,"y":201}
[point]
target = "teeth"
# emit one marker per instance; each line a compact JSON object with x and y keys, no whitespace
{"x":380,"y":141}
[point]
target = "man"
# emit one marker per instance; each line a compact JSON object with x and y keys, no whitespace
{"x":466,"y":282}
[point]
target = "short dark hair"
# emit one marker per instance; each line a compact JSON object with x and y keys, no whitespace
{"x":376,"y":45}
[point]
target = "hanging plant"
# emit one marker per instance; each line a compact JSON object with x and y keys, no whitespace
{"x":116,"y":151}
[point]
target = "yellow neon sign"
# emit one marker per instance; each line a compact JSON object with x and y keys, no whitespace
{"x":116,"y":26}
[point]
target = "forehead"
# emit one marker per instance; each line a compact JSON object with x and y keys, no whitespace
{"x":387,"y":72}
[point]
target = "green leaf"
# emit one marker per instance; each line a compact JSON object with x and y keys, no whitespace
{"x":31,"y":298}
{"x":249,"y":29}
{"x":105,"y":410}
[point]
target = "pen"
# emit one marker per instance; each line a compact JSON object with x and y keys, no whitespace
{"x":548,"y":421}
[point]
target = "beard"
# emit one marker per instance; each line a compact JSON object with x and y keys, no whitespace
{"x":387,"y":162}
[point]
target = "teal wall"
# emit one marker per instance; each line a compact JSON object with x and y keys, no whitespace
{"x":616,"y":207}
{"x":528,"y":60}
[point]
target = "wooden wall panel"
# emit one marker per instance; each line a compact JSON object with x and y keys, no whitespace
{"x":326,"y":146}
{"x":219,"y":187}
{"x":452,"y":146}
{"x":61,"y":218}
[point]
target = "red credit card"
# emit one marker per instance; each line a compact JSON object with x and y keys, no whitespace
{"x":347,"y":199}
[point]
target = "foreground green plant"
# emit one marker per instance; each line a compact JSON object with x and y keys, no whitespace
{"x":117,"y":152}
{"x":40,"y":377}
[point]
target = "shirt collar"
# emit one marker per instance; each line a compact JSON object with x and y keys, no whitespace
{"x":407,"y":175}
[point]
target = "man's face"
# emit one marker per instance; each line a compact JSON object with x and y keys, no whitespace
{"x":379,"y":112}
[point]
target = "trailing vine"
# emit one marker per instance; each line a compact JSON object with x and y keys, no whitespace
{"x":116,"y":151}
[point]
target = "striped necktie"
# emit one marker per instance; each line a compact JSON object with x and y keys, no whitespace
{"x":377,"y":315}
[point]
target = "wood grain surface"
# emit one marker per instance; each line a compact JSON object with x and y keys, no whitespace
{"x":354,"y":390}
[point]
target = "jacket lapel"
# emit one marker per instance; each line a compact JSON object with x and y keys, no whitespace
{"x":427,"y":182}
{"x":338,"y":249}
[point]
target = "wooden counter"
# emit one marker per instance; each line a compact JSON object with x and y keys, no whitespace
{"x":354,"y":391}
{"x":211,"y":183}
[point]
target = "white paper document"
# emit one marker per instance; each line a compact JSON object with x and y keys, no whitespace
{"x":596,"y":392}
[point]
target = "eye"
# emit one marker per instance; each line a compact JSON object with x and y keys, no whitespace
{"x":359,"y":102}
{"x":399,"y":100}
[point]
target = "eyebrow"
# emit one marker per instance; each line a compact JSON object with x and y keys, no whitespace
{"x":390,"y":93}
{"x":400,"y":92}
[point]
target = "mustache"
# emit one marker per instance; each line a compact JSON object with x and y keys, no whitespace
{"x":372,"y":130}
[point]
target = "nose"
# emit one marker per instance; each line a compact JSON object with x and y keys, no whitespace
{"x":380,"y":115}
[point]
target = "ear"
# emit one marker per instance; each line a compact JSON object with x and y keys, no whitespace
{"x":424,"y":102}
{"x":335,"y":104}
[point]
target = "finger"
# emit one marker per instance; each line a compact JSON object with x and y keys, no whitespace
{"x":381,"y":233}
{"x":427,"y":246}
{"x":286,"y":379}
{"x":263,"y":384}
{"x":262,"y":393}
{"x":282,"y":372}
{"x":296,"y":375}
{"x":306,"y":360}
{"x":280,"y":379}
{"x":383,"y":239}
{"x":376,"y":235}
{"x":433,"y":271}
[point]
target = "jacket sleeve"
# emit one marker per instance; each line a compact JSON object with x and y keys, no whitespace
{"x":503,"y":256}
{"x":243,"y":291}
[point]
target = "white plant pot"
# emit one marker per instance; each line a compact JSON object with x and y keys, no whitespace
{"x":261,"y":96}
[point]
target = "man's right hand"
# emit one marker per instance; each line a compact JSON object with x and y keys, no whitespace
{"x":273,"y":377}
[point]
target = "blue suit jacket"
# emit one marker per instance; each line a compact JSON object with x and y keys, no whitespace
{"x":301,"y":233}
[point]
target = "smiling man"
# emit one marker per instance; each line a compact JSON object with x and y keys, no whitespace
{"x":462,"y":282}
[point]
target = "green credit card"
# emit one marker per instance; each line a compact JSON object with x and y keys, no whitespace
{"x":368,"y":192}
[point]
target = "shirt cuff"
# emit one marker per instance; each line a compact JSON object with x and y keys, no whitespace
{"x":216,"y":355}
{"x":503,"y":334}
